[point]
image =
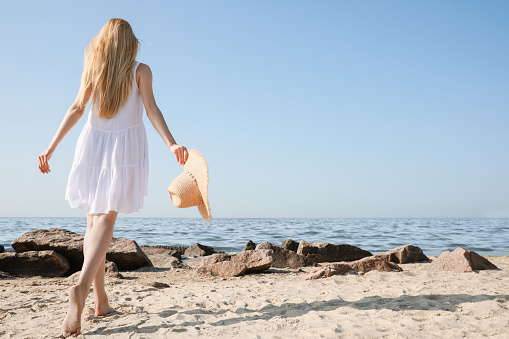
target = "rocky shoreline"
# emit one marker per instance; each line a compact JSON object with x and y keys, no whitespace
{"x":270,"y":291}
{"x":59,"y":252}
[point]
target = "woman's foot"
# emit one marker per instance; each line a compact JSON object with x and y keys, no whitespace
{"x":101,"y":311}
{"x":72,"y":320}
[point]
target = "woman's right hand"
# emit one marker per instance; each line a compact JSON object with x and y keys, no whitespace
{"x":44,"y":158}
{"x":180,"y":153}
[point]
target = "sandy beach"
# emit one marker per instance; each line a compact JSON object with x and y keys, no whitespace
{"x":278,"y":303}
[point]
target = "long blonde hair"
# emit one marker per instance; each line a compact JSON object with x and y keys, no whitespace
{"x":109,"y":61}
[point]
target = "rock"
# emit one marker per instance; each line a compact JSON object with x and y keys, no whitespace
{"x":215,"y":258}
{"x":325,"y":252}
{"x":198,"y":250}
{"x":43,"y":263}
{"x":111,"y":269}
{"x":5,"y":275}
{"x":250,"y":246}
{"x":255,"y":261}
{"x":460,"y":260}
{"x":160,"y":250}
{"x":329,"y":270}
{"x":162,"y":257}
{"x":223,"y":269}
{"x":291,"y":245}
{"x":361,"y":266}
{"x":374,"y":264}
{"x":126,"y":254}
{"x":403,"y":255}
{"x":284,"y":257}
{"x":176,"y":251}
{"x":156,"y":284}
{"x":67,"y":243}
{"x":2,"y":249}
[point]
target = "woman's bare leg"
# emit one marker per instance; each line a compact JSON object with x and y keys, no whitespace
{"x":102,"y":306}
{"x":98,"y":240}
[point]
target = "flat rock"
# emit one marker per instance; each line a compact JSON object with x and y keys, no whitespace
{"x":326,"y":252}
{"x":212,"y":259}
{"x":461,"y":260}
{"x":255,"y":261}
{"x":284,"y":257}
{"x":223,"y":269}
{"x":159,"y":250}
{"x":290,"y":244}
{"x":374,"y":264}
{"x":126,"y":254}
{"x":250,"y":246}
{"x":156,"y":284}
{"x":404,"y":254}
{"x":34,"y":263}
{"x":329,"y":270}
{"x":359,"y":266}
{"x":162,"y":257}
{"x":198,"y":250}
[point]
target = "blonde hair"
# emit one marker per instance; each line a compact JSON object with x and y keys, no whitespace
{"x":109,"y":61}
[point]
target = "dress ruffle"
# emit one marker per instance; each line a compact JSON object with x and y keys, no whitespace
{"x":109,"y":171}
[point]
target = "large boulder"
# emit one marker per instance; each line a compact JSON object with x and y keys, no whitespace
{"x":255,"y":261}
{"x":42,"y":263}
{"x":64,"y":242}
{"x":284,"y":257}
{"x":403,"y":255}
{"x":2,"y":249}
{"x":460,"y":260}
{"x":126,"y":254}
{"x":290,"y":244}
{"x":198,"y":250}
{"x":325,"y":252}
{"x":223,"y":269}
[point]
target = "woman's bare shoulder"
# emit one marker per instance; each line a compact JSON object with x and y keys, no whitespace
{"x":143,"y":69}
{"x":143,"y":73}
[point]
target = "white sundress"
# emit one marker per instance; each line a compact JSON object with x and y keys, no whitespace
{"x":110,"y":167}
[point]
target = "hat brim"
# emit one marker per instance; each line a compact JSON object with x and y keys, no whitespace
{"x":198,"y":167}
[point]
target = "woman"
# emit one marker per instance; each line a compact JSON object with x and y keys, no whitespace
{"x":110,"y":169}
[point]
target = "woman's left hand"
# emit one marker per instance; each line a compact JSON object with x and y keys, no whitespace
{"x":180,"y":153}
{"x":44,"y":158}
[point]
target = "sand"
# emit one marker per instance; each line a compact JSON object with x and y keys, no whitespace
{"x":276,"y":304}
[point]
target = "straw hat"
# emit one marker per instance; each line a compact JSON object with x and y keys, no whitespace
{"x":190,"y":188}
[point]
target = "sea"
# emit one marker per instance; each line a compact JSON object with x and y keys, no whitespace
{"x":433,"y":236}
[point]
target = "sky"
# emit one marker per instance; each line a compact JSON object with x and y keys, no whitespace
{"x":333,"y":109}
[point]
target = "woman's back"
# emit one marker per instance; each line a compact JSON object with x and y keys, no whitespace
{"x":128,"y":116}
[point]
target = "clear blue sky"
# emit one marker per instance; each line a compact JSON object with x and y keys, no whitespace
{"x":301,"y":108}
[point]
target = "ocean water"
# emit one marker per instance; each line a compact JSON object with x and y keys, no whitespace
{"x":433,"y":236}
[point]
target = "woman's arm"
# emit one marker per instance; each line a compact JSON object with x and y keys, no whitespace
{"x":144,"y":80}
{"x":73,"y":115}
